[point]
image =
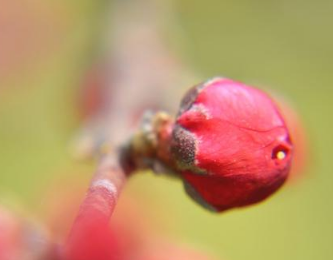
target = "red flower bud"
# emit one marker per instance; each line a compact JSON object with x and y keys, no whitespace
{"x":231,"y":145}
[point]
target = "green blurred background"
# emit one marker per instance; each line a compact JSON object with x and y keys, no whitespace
{"x":46,"y":46}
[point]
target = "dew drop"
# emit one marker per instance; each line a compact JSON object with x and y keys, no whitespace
{"x":280,"y":155}
{"x":280,"y":152}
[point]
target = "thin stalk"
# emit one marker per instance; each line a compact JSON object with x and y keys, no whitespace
{"x":90,"y":237}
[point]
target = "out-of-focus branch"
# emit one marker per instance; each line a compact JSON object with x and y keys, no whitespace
{"x":90,"y":237}
{"x":142,"y":72}
{"x":147,"y":72}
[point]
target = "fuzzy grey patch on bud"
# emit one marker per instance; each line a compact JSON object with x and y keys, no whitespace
{"x":183,"y":147}
{"x":189,"y":98}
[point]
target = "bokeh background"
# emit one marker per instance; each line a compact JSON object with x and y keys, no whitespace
{"x":46,"y":47}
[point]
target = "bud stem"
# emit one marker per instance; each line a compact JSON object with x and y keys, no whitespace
{"x":92,"y":221}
